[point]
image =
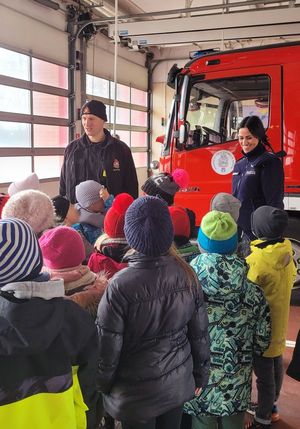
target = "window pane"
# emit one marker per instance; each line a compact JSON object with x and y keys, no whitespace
{"x":48,"y":166}
{"x":216,"y":107}
{"x":50,"y":136}
{"x":123,"y":115}
{"x":97,"y":86}
{"x":138,"y":139}
{"x":49,"y":74}
{"x":14,"y":64}
{"x":138,"y":118}
{"x":138,"y":97}
{"x":14,"y":168}
{"x":124,"y":136}
{"x":14,"y":134}
{"x":14,"y":100}
{"x":140,"y":159}
{"x":123,"y":93}
{"x":50,"y":105}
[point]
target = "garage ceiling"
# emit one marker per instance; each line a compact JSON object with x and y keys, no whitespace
{"x":172,"y":28}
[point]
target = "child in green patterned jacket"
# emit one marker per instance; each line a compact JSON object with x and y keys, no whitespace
{"x":239,"y":325}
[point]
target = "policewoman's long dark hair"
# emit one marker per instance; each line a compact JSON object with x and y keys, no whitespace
{"x":257,"y":129}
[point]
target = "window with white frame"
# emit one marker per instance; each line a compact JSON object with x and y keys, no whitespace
{"x":34,"y":117}
{"x":131,"y":113}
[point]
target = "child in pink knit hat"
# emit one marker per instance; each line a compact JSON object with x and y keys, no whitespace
{"x":63,"y":254}
{"x":112,"y":245}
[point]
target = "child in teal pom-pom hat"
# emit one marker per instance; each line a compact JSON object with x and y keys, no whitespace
{"x":239,"y":325}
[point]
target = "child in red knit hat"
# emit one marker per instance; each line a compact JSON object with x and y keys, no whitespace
{"x":183,"y":221}
{"x":111,"y":246}
{"x":63,"y":254}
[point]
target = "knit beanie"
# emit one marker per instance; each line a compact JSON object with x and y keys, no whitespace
{"x":165,"y":185}
{"x":226,"y":203}
{"x":87,"y":193}
{"x":20,"y":255}
{"x":269,"y":222}
{"x":181,"y":221}
{"x":115,"y":217}
{"x":148,"y":226}
{"x":34,"y":207}
{"x":218,"y":233}
{"x":94,"y":107}
{"x":62,"y":247}
{"x":61,"y":207}
{"x":30,"y":182}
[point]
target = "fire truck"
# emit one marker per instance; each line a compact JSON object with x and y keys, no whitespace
{"x":213,"y":92}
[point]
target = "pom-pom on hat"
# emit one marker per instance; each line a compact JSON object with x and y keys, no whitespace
{"x":165,"y":185}
{"x":94,"y":107}
{"x":181,"y":221}
{"x":115,"y":217}
{"x":226,"y":203}
{"x":218,"y":233}
{"x":61,"y":207}
{"x":148,"y":226}
{"x":62,"y":247}
{"x":30,"y":182}
{"x":20,"y":255}
{"x":87,"y":193}
{"x":269,"y":222}
{"x":34,"y":207}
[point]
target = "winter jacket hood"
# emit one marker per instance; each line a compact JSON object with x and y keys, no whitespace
{"x":45,"y":322}
{"x":230,"y":271}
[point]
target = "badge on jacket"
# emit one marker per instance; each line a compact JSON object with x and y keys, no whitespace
{"x":116,"y":165}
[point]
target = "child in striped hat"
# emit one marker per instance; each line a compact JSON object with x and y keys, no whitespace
{"x":48,"y":344}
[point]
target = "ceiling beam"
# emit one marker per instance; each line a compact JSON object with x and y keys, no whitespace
{"x":208,"y":22}
{"x":265,"y":31}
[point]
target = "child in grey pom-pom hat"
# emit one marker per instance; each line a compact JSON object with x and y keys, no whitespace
{"x":271,"y":266}
{"x":93,"y":201}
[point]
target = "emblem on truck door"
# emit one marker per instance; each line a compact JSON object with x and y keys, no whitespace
{"x":222,"y":162}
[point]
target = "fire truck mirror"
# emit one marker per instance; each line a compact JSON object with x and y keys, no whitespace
{"x":184,"y":132}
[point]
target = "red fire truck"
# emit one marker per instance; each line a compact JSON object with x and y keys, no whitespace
{"x":213,"y":92}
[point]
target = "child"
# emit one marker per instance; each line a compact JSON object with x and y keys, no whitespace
{"x":34,"y":207}
{"x":30,"y":182}
{"x":68,"y":215}
{"x":152,"y":326}
{"x":112,"y":245}
{"x":239,"y":325}
{"x":183,"y":225}
{"x":93,"y":201}
{"x":48,"y":345}
{"x":63,"y":254}
{"x":227,"y":203}
{"x":165,"y":185}
{"x":271,"y":266}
